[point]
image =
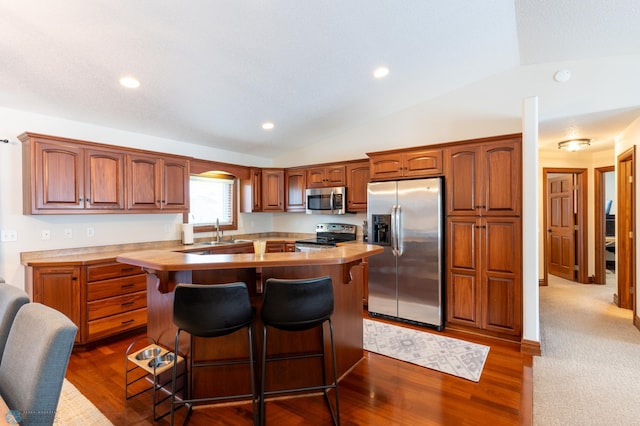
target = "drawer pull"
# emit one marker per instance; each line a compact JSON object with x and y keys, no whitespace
{"x":127,"y":285}
{"x":128,"y":269}
{"x":127,"y":304}
{"x":128,"y":321}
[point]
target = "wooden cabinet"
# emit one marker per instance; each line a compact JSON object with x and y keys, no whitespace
{"x":102,"y":299}
{"x":59,"y":288}
{"x":62,"y":176}
{"x":263,"y":191}
{"x":65,"y":176}
{"x":157,"y":183}
{"x":357,"y":180}
{"x":485,"y":179}
{"x":406,"y":164}
{"x":295,"y":184}
{"x":484,"y":235}
{"x":326,"y":176}
{"x":484,"y":282}
{"x":116,"y":299}
{"x":274,"y":247}
{"x":272,"y":190}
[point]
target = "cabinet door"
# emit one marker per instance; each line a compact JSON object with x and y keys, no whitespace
{"x":59,"y":288}
{"x":316,"y":177}
{"x":59,"y":178}
{"x":144,"y":174}
{"x":463,"y":180}
{"x":335,"y":176}
{"x":175,"y":184}
{"x":386,"y":166}
{"x":423,"y":163}
{"x":251,"y":200}
{"x":357,"y":180}
{"x":295,"y":185}
{"x":502,"y":270}
{"x":104,"y":172}
{"x":272,"y":190}
{"x":463,"y":270}
{"x":502,"y":169}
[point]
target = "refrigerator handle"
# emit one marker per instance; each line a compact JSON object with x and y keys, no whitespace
{"x":398,"y":224}
{"x":393,"y":231}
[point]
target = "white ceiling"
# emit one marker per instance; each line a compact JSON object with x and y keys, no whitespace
{"x":212,"y":70}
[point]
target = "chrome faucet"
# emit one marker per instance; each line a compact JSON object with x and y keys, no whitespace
{"x":217,"y":230}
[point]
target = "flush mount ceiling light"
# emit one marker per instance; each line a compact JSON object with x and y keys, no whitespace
{"x":130,"y":82}
{"x":574,"y":144}
{"x":268,"y":125}
{"x":562,"y":76}
{"x":381,"y":72}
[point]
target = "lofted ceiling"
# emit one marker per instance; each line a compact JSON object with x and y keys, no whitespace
{"x":213,"y":71}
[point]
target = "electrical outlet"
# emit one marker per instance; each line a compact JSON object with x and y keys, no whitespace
{"x":9,"y":235}
{"x":68,"y":233}
{"x":46,"y":234}
{"x":90,"y":232}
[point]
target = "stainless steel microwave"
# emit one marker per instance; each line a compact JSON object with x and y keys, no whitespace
{"x":327,"y":200}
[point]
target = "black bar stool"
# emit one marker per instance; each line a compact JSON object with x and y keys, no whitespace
{"x":298,"y":305}
{"x":212,"y":311}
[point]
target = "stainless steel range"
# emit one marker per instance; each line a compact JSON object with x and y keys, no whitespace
{"x":327,"y":236}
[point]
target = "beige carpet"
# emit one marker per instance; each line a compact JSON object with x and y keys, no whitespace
{"x":589,"y":372}
{"x":74,"y":409}
{"x":445,"y":354}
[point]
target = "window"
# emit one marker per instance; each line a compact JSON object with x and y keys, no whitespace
{"x":212,"y":196}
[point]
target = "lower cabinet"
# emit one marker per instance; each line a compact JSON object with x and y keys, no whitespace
{"x":102,"y":299}
{"x":484,"y":282}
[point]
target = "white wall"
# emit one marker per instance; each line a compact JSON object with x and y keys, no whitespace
{"x":109,"y":229}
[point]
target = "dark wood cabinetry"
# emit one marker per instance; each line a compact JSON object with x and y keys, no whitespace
{"x":357,"y":180}
{"x":102,"y":299}
{"x":295,"y":184}
{"x":62,"y":177}
{"x":485,"y":179}
{"x":484,"y":235}
{"x":157,"y":183}
{"x":263,"y":191}
{"x":326,"y":176}
{"x":66,"y":176}
{"x":411,"y":163}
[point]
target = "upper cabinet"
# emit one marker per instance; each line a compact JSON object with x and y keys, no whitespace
{"x":485,"y":179}
{"x":326,"y":176}
{"x":263,"y":191}
{"x":405,"y":164}
{"x":357,"y":182}
{"x":63,"y":176}
{"x":295,"y":184}
{"x":157,"y":183}
{"x":60,"y":176}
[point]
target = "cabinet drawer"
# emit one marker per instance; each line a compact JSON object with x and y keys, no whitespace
{"x":116,"y":287}
{"x":117,"y":323}
{"x":111,"y":270}
{"x":117,"y":305}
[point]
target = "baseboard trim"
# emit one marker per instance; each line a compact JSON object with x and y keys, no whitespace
{"x":530,"y":347}
{"x":636,"y":321}
{"x":542,"y":282}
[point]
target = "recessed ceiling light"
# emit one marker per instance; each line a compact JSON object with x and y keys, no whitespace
{"x":130,"y":82}
{"x":381,"y":72}
{"x":268,"y":125}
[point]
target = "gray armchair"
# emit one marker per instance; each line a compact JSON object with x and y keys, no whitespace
{"x":11,"y":299}
{"x":34,"y":363}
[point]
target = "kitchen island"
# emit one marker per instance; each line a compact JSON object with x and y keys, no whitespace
{"x":344,"y":264}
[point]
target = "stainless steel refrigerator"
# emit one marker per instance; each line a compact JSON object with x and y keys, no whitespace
{"x":405,"y":282}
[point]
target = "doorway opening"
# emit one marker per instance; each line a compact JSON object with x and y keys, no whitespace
{"x":605,"y":206}
{"x":565,"y":223}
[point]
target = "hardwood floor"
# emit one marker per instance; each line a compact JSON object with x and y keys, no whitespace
{"x":378,"y":391}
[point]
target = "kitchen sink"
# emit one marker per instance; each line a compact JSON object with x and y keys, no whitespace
{"x":216,"y":243}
